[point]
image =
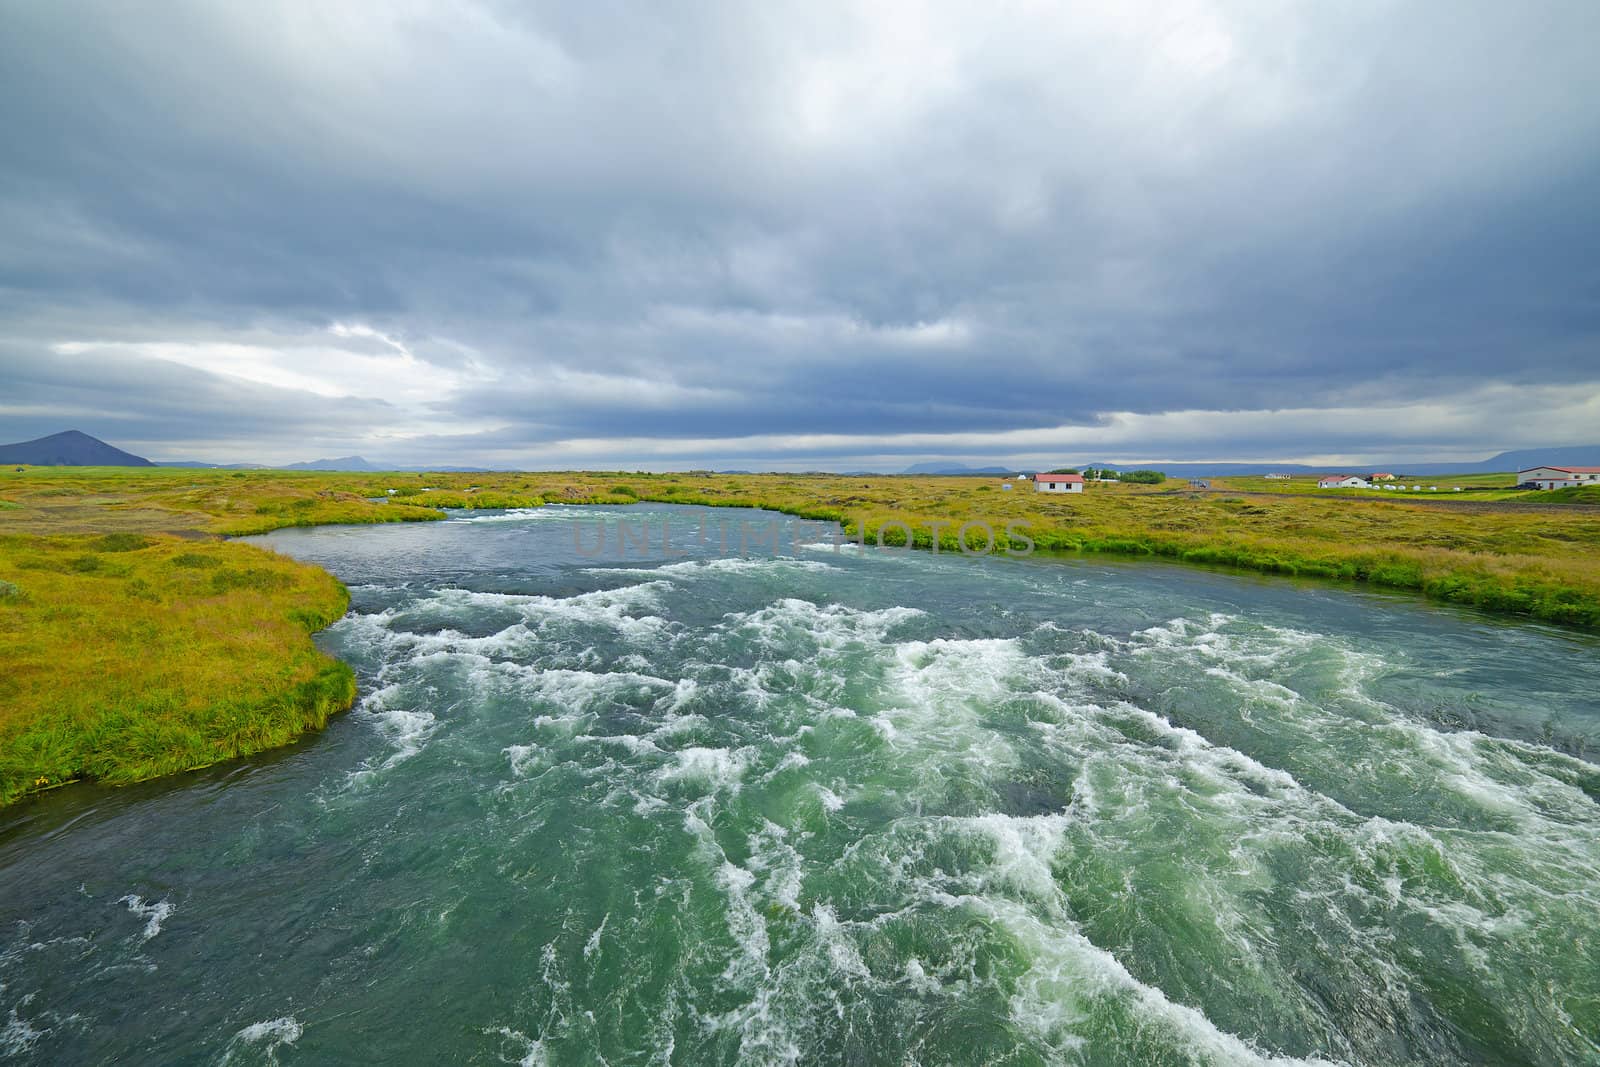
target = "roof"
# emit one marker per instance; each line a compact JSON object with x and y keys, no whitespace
{"x":1058,"y":477}
{"x":1553,"y":467}
{"x":1382,"y":474}
{"x":1338,"y":477}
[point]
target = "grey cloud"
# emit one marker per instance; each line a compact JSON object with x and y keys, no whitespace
{"x":754,"y":212}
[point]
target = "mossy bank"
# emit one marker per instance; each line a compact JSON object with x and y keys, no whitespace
{"x":128,"y":657}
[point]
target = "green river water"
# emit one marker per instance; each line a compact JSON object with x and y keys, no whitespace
{"x":855,"y":807}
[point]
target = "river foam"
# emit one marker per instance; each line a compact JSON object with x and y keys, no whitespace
{"x":865,"y":807}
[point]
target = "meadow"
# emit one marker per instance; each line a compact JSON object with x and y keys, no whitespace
{"x":1448,"y":488}
{"x":138,"y":641}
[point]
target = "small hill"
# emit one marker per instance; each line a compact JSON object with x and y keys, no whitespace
{"x":70,"y":448}
{"x":947,"y":467}
{"x":1574,"y":455}
{"x":343,"y":463}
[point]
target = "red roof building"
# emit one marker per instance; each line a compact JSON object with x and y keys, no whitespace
{"x":1553,"y":477}
{"x":1058,"y":483}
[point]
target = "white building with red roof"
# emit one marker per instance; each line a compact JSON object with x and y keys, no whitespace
{"x":1558,"y":477}
{"x":1058,"y":483}
{"x":1343,"y":481}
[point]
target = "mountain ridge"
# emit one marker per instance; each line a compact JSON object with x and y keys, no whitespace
{"x":1517,"y":459}
{"x":69,"y":448}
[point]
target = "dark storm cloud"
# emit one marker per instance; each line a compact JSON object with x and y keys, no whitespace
{"x":491,"y":231}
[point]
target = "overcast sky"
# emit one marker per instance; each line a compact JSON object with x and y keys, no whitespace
{"x":780,"y":236}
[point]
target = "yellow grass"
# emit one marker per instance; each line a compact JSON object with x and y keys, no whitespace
{"x":128,"y":657}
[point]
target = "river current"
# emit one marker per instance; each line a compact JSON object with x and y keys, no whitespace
{"x":707,"y":803}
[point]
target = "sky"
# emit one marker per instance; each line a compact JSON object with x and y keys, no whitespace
{"x":801,"y":236}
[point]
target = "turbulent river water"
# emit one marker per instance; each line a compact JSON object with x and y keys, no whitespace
{"x":853,"y":807}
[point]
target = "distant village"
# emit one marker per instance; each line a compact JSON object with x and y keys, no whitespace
{"x":1071,"y":481}
{"x":1529,"y":478}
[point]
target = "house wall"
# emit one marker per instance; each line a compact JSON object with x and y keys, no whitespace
{"x":1550,"y":478}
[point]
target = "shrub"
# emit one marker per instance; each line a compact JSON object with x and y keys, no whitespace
{"x":120,"y":542}
{"x":228,"y":579}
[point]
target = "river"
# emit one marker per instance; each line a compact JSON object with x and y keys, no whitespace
{"x":696,"y":805}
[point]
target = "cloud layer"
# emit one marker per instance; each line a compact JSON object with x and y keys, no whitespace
{"x":801,"y":235}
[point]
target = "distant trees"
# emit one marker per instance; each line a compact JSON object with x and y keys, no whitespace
{"x":1063,"y":470}
{"x":1142,"y":477}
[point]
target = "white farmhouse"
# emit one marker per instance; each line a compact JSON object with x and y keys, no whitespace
{"x":1058,"y":483}
{"x":1558,"y":477}
{"x":1343,"y":481}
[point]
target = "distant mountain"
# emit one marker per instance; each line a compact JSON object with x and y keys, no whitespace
{"x":343,"y":463}
{"x":348,"y":463}
{"x":70,"y":448}
{"x":195,"y":464}
{"x":946,"y":467}
{"x":1576,"y":455}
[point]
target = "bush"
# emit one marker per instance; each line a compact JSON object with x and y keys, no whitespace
{"x":120,"y":542}
{"x":228,"y":579}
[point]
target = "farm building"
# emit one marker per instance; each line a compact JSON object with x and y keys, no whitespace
{"x":1558,"y":477}
{"x":1058,"y":483}
{"x":1279,"y":477}
{"x":1342,"y":481}
{"x":1199,"y":483}
{"x":1381,"y":476}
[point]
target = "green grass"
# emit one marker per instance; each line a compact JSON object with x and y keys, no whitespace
{"x":1573,"y":494}
{"x":138,"y":642}
{"x":129,"y":657}
{"x":1496,"y":486}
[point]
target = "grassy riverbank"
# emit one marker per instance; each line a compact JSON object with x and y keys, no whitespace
{"x":128,"y":657}
{"x":137,"y":642}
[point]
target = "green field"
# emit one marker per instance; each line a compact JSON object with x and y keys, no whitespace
{"x":1452,"y":487}
{"x":139,"y":642}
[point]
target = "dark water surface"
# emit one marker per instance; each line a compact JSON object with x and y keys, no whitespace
{"x":854,"y":808}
